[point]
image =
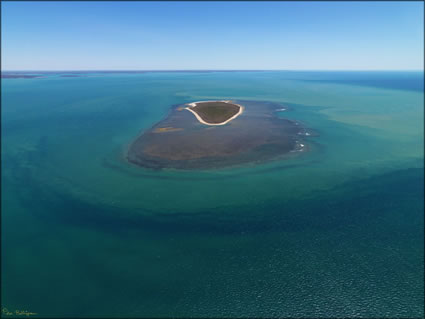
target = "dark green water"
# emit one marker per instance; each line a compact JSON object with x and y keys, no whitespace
{"x":336,"y":232}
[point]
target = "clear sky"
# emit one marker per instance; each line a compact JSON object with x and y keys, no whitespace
{"x":212,"y":35}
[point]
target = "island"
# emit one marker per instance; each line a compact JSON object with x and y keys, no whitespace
{"x":19,"y":76}
{"x":219,"y":134}
{"x":73,"y":75}
{"x":215,"y":112}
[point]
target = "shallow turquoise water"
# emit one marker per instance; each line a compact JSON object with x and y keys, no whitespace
{"x":337,"y":231}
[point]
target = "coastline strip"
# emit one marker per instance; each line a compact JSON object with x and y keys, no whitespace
{"x":241,"y":108}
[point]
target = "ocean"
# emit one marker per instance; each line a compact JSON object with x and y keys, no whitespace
{"x":334,"y":232}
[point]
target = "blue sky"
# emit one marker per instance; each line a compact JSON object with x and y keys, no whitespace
{"x":212,"y":35}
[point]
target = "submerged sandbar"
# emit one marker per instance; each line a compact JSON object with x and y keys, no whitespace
{"x":234,"y":133}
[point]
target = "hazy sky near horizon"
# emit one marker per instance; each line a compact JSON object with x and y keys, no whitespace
{"x":212,"y":35}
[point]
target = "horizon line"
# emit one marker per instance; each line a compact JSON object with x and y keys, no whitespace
{"x":203,"y":70}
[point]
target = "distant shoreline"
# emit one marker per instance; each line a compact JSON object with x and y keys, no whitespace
{"x":193,"y":104}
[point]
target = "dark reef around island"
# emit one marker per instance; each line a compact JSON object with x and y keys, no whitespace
{"x":182,"y":141}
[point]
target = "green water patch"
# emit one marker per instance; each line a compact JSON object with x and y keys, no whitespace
{"x":90,"y":161}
